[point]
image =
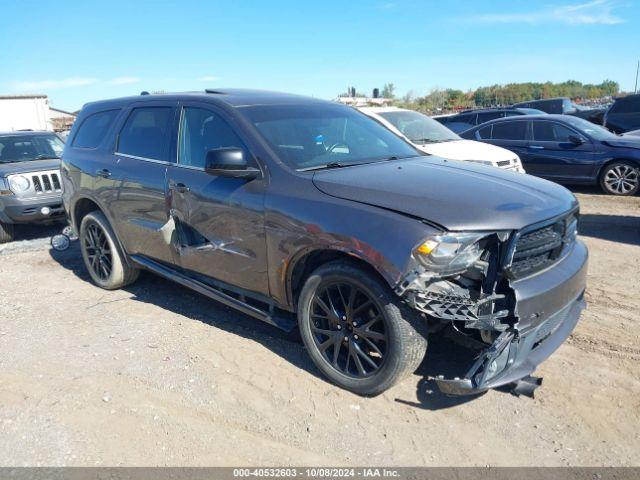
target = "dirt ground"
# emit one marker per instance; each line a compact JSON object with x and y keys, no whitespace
{"x":159,"y":375}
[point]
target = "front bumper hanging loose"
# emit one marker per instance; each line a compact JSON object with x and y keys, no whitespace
{"x":513,"y":355}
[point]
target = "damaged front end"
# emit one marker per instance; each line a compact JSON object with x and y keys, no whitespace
{"x":471,"y":282}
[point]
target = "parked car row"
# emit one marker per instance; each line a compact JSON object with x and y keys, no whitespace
{"x":467,"y":119}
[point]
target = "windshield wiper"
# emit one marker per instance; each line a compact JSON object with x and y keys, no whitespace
{"x":46,"y":157}
{"x":328,"y":166}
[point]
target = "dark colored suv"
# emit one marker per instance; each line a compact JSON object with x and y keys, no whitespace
{"x":301,"y":212}
{"x":624,"y":115}
{"x":30,"y":184}
{"x":470,"y":118}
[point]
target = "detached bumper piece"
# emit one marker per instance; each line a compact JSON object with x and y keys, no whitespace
{"x":515,"y":355}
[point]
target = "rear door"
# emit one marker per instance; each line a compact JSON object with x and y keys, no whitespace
{"x":552,"y":155}
{"x":144,"y":148}
{"x":512,"y":135}
{"x":219,"y":220}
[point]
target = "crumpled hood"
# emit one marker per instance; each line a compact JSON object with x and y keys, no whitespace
{"x":468,"y":150}
{"x":455,"y":195}
{"x":26,"y":167}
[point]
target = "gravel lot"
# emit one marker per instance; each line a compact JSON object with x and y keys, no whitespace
{"x":158,"y":375}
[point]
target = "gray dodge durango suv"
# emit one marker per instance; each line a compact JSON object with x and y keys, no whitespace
{"x":301,"y":212}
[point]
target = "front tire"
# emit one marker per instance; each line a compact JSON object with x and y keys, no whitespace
{"x":357,"y":332}
{"x":102,"y":256}
{"x":6,"y":232}
{"x":620,"y":178}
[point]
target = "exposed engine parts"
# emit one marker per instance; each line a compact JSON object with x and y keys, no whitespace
{"x":479,"y":297}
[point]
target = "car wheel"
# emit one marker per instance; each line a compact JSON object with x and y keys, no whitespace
{"x":358,"y":332}
{"x":102,"y":256}
{"x":6,"y":232}
{"x":620,"y":178}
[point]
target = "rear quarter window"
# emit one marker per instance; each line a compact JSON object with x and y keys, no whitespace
{"x":94,"y":128}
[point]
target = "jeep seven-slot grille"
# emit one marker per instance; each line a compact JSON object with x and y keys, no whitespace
{"x":537,"y":249}
{"x":46,"y":182}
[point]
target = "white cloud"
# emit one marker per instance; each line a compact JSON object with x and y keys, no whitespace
{"x":208,"y":78}
{"x":588,"y":13}
{"x":53,"y":84}
{"x":124,"y":80}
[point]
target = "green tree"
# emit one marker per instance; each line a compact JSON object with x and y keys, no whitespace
{"x":388,"y":91}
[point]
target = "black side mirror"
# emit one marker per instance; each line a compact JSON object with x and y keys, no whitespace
{"x":229,"y":162}
{"x":576,"y":140}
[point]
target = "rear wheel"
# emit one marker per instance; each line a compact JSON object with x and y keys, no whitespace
{"x":103,"y":258}
{"x":357,"y":332}
{"x":620,"y":178}
{"x":6,"y":232}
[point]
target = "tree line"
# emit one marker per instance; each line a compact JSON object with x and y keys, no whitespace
{"x":496,"y":95}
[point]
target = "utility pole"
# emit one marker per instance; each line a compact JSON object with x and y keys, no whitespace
{"x":635,"y":89}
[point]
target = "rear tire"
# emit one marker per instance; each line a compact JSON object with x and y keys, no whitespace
{"x":6,"y":232}
{"x":620,"y":178}
{"x":365,"y":341}
{"x":102,"y":256}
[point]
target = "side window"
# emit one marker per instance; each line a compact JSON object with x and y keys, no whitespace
{"x":463,"y":118}
{"x":551,"y":132}
{"x":509,"y":131}
{"x":485,"y":133}
{"x":147,"y":133}
{"x":94,"y":128}
{"x":487,"y":116}
{"x":203,"y":130}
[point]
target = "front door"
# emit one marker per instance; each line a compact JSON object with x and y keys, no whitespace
{"x":554,"y":156}
{"x":219,"y":221}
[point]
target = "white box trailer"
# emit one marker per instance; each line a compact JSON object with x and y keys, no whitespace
{"x":24,"y":112}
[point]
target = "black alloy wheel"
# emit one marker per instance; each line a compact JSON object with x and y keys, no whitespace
{"x":348,"y":329}
{"x":98,"y":252}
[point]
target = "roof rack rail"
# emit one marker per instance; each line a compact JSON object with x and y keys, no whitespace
{"x":211,"y":90}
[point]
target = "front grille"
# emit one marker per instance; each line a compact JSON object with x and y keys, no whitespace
{"x":46,"y":182}
{"x":537,"y":248}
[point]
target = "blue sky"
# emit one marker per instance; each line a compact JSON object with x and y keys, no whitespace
{"x":79,"y":51}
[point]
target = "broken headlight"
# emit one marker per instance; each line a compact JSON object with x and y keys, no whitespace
{"x":450,"y":253}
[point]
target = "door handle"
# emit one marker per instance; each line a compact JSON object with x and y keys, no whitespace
{"x":104,"y":173}
{"x":178,"y":187}
{"x":536,"y":147}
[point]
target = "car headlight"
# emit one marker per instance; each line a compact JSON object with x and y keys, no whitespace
{"x":450,"y":253}
{"x":482,"y":162}
{"x":19,"y":184}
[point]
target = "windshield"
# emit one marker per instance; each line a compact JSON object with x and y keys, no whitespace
{"x":591,"y":129}
{"x":24,"y":148}
{"x":314,"y":136}
{"x":418,"y":127}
